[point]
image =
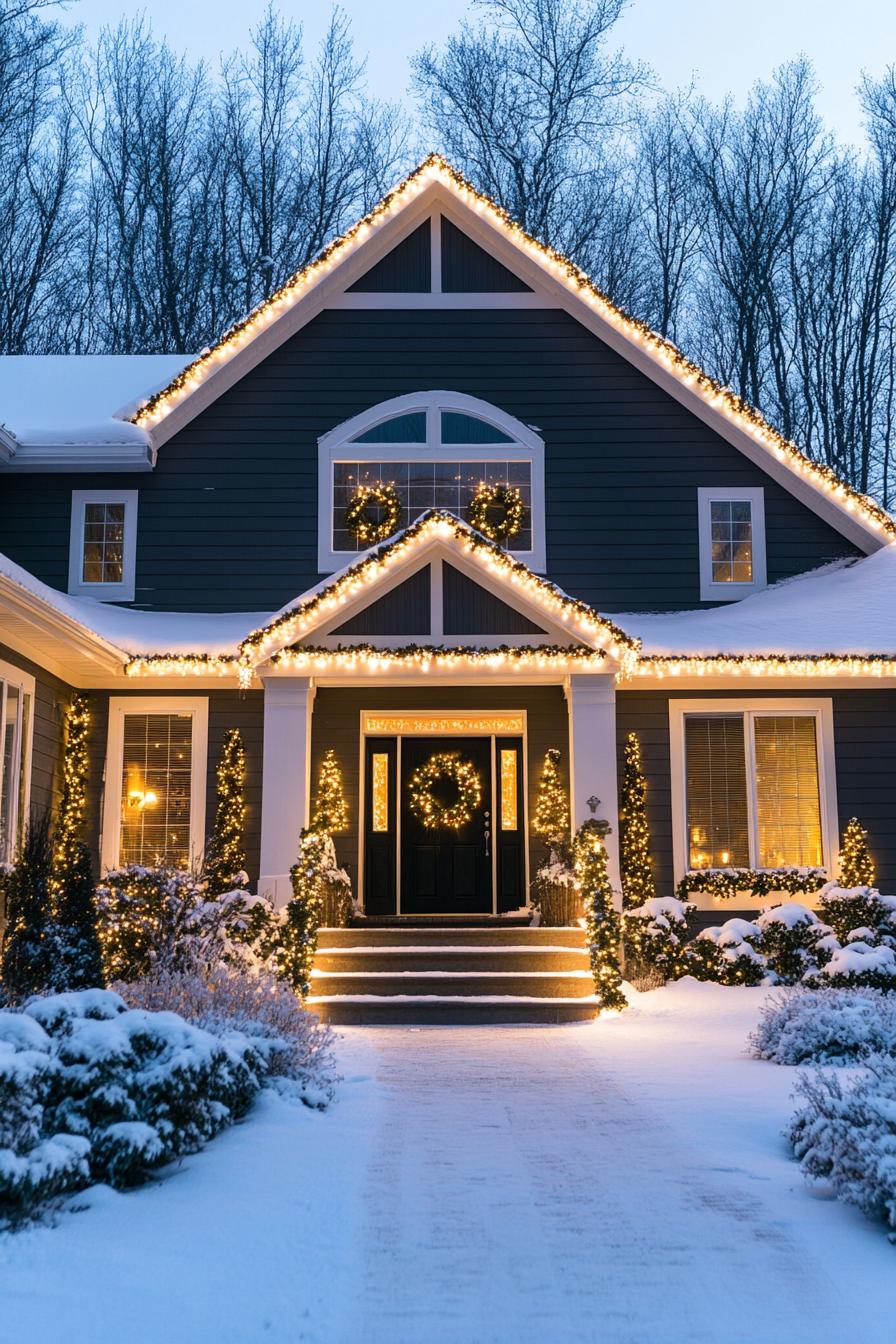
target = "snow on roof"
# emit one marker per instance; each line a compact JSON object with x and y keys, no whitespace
{"x":845,"y":608}
{"x":76,"y":399}
{"x":141,"y":633}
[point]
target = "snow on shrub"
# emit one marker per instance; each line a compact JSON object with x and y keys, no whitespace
{"x":727,"y":954}
{"x":849,"y":908}
{"x":165,"y":917}
{"x":91,"y":1090}
{"x":655,"y":934}
{"x":857,"y":965}
{"x":793,"y":941}
{"x":846,"y":1134}
{"x":225,"y":998}
{"x":824,"y":1026}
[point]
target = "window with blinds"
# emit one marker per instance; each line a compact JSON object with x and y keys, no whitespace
{"x":717,"y":818}
{"x":157,"y":765}
{"x":753,"y":796}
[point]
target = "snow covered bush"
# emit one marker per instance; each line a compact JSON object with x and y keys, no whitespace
{"x":846,"y":1134}
{"x":226,"y":998}
{"x":849,"y":908}
{"x":165,"y":917}
{"x":654,"y":936}
{"x":824,"y":1026}
{"x":728,"y":954}
{"x":94,"y":1091}
{"x":858,"y":965}
{"x":794,"y":941}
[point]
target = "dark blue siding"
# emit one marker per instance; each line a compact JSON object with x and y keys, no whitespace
{"x":407,"y":269}
{"x":468,"y":269}
{"x":228,"y":519}
{"x":470,"y":609}
{"x":403,"y":611}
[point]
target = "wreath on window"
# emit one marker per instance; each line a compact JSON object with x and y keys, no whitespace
{"x":433,"y":811}
{"x":374,"y":513}
{"x":497,"y":511}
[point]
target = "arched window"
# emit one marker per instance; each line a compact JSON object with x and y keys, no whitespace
{"x":435,"y":448}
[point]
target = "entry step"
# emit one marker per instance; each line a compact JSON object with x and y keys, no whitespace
{"x":436,"y":1010}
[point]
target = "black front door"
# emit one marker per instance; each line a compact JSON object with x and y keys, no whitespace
{"x":446,"y":871}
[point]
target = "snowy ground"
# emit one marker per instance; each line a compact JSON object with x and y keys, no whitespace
{"x":619,"y":1181}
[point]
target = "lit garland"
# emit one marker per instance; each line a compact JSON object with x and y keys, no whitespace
{"x":634,"y":834}
{"x":767,"y":665}
{"x":666,"y":355}
{"x":723,"y":884}
{"x":226,"y":860}
{"x":360,"y":519}
{"x":184,"y":665}
{"x":855,"y":865}
{"x":497,"y":511}
{"x":330,"y":810}
{"x":602,"y":920}
{"x":292,"y":624}
{"x":436,"y":658}
{"x":73,"y":802}
{"x":430,"y":811}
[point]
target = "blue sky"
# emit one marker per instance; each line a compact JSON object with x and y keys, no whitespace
{"x":725,"y":47}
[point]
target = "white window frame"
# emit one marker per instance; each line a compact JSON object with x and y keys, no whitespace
{"x":103,"y":592}
{"x":714,"y":494}
{"x":819,"y":709}
{"x":119,"y":706}
{"x":336,"y":446}
{"x":26,"y":685}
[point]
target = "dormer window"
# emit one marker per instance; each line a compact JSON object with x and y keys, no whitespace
{"x":434,"y":449}
{"x":732,"y":542}
{"x":103,"y":546}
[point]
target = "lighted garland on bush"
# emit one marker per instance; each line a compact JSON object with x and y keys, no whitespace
{"x":602,"y":919}
{"x":497,"y":511}
{"x":361,"y":519}
{"x":430,"y":811}
{"x":724,"y":883}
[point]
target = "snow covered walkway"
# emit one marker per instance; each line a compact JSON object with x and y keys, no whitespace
{"x":618,"y":1181}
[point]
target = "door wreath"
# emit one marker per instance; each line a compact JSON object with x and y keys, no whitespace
{"x":445,"y":767}
{"x":361,"y":515}
{"x":497,"y":511}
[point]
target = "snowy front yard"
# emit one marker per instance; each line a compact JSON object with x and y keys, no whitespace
{"x":623,"y":1180}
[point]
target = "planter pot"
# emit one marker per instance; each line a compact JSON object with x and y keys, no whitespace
{"x":560,"y":905}
{"x":335,"y":904}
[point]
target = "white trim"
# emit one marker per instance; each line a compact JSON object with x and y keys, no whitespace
{"x":25,"y":684}
{"x":457,"y":300}
{"x":337,"y":445}
{"x":119,"y":706}
{"x":754,"y":496}
{"x":820,"y":709}
{"x":103,"y":592}
{"x":435,"y":254}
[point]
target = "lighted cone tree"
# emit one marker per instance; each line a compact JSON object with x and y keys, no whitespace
{"x":68,"y":835}
{"x":602,"y":919}
{"x":330,"y":810}
{"x":551,"y":820}
{"x":226,"y":859}
{"x":71,"y":933}
{"x":634,"y":834}
{"x":856,"y":863}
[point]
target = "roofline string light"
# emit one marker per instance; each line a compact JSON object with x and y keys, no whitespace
{"x":434,"y":167}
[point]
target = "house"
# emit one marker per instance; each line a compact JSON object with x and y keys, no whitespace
{"x":199,"y":557}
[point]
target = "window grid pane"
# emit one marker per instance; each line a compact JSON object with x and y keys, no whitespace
{"x":716,"y":781}
{"x":156,"y":789}
{"x":788,"y":806}
{"x":731,"y":539}
{"x":103,"y":543}
{"x":428,"y":485}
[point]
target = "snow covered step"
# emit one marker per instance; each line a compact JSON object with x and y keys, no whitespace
{"x":486,"y":935}
{"x":547,"y":957}
{"x":462,"y":982}
{"x":446,"y":1011}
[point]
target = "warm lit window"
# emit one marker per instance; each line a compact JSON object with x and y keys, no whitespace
{"x":102,"y":552}
{"x":508,"y":790}
{"x":155,"y":773}
{"x":754,"y":787}
{"x":380,"y":792}
{"x":732,"y":543}
{"x":16,"y":700}
{"x":435,"y":449}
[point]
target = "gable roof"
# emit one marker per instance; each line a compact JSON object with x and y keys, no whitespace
{"x":855,"y":515}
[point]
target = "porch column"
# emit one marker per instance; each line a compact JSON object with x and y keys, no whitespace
{"x":285,"y":780}
{"x":592,"y":757}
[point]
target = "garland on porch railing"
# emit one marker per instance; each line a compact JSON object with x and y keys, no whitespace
{"x":602,"y":919}
{"x":724,"y":883}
